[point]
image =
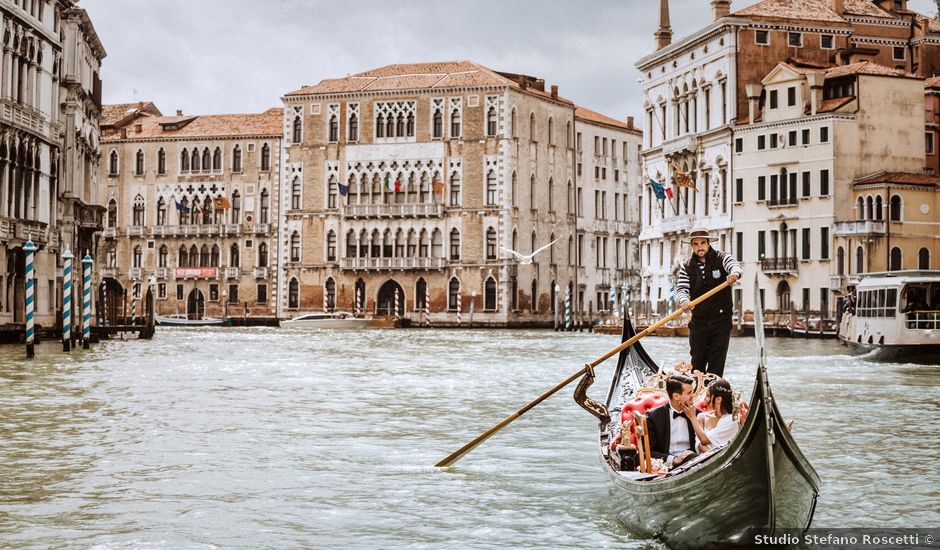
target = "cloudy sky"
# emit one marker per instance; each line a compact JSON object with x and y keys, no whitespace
{"x":230,"y":56}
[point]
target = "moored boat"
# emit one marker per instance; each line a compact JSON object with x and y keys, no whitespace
{"x":184,"y":320}
{"x":337,"y":319}
{"x":759,"y":480}
{"x":895,"y":314}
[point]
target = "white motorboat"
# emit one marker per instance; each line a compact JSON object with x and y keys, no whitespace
{"x":896,"y":314}
{"x":339,"y":319}
{"x":184,"y":320}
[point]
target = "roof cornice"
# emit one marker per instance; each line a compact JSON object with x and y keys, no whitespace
{"x":691,"y":41}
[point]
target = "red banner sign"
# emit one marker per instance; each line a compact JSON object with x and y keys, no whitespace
{"x":197,"y":272}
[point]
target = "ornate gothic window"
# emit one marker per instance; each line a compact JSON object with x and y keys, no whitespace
{"x":161,"y":212}
{"x":455,"y":189}
{"x":217,"y":160}
{"x":237,"y":158}
{"x":161,"y":161}
{"x":331,"y":246}
{"x":295,"y":247}
{"x":233,"y":256}
{"x":206,"y":160}
{"x":265,"y":207}
{"x":489,"y":294}
{"x":293,"y":294}
{"x":455,"y":110}
{"x":113,"y":163}
{"x":352,"y":121}
{"x":297,"y":134}
{"x":454,"y":244}
{"x":437,"y":118}
{"x":139,"y":163}
{"x":453,"y":294}
{"x":295,"y":194}
{"x":162,"y":256}
{"x":184,"y":161}
{"x":236,"y":207}
{"x":490,"y":244}
{"x":265,"y":158}
{"x":138,"y":211}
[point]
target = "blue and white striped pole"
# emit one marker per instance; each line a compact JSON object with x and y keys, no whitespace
{"x":567,"y":308}
{"x":67,"y":300}
{"x":625,"y":300}
{"x":86,"y":300}
{"x":29,"y":248}
{"x":613,"y":302}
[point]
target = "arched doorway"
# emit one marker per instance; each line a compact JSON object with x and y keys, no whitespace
{"x":783,"y":296}
{"x":111,"y":298}
{"x":386,"y":299}
{"x":195,"y":304}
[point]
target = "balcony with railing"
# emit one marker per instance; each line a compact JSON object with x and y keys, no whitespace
{"x":160,"y":272}
{"x":261,"y":228}
{"x":135,"y":273}
{"x":779,"y":265}
{"x":135,"y":231}
{"x":781,"y":202}
{"x":390,"y":263}
{"x":413,"y":210}
{"x":109,"y":272}
{"x":232,"y":272}
{"x":109,"y":232}
{"x":685,"y":143}
{"x":24,"y":116}
{"x":7,"y":228}
{"x":30,"y":230}
{"x":676,"y":224}
{"x":260,"y":272}
{"x":231,"y":229}
{"x":859,"y":228}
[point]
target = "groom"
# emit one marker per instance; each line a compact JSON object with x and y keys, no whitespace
{"x":671,"y":435}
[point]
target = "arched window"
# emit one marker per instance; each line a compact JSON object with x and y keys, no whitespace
{"x":879,"y":204}
{"x":332,"y":190}
{"x":840,"y":261}
{"x":895,"y":214}
{"x":295,"y":247}
{"x":438,"y":124}
{"x":162,"y":256}
{"x":331,"y":246}
{"x":895,"y":259}
{"x":437,"y":244}
{"x":859,"y":260}
{"x":194,"y":160}
{"x":380,"y":126}
{"x":264,"y":216}
{"x":453,"y":294}
{"x":237,"y":158}
{"x":551,"y":131}
{"x":491,"y":187}
{"x":923,"y":259}
{"x":454,"y":244}
{"x":138,"y":211}
{"x":421,"y":294}
{"x":455,"y":189}
{"x":490,"y":244}
{"x":265,"y":157}
{"x":551,"y":249}
{"x":297,"y":134}
{"x":161,"y":161}
{"x":263,"y":255}
{"x":236,"y":207}
{"x":534,"y":305}
{"x":293,"y":294}
{"x":206,"y":160}
{"x":295,"y":193}
{"x":354,"y":127}
{"x":215,"y":257}
{"x":551,"y":194}
{"x":113,"y":163}
{"x":139,"y":163}
{"x":330,"y":294}
{"x":400,"y":125}
{"x":112,"y":213}
{"x":489,"y":294}
{"x":351,"y":248}
{"x":390,"y":126}
{"x":184,"y":161}
{"x":860,"y":209}
{"x":455,"y":123}
{"x":512,"y":122}
{"x":205,"y":260}
{"x":193,"y":256}
{"x":491,"y":121}
{"x":532,"y":127}
{"x":869,"y":208}
{"x":569,"y":198}
{"x":138,"y":256}
{"x":532,"y":203}
{"x":512,"y":190}
{"x":233,"y":258}
{"x":217,"y":160}
{"x":410,"y":125}
{"x":182,"y":259}
{"x":568,"y":144}
{"x":334,"y":127}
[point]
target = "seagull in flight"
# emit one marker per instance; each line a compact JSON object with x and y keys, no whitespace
{"x":526,"y":259}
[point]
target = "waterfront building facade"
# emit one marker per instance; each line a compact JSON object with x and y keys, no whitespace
{"x":192,"y":201}
{"x":799,"y":157}
{"x":50,"y":102}
{"x":607,"y":202}
{"x":414,"y":180}
{"x":932,"y":131}
{"x":695,"y":87}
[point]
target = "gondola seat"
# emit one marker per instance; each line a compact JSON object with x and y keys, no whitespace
{"x":641,"y":404}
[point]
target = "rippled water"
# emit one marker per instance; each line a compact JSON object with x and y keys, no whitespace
{"x":263,"y":438}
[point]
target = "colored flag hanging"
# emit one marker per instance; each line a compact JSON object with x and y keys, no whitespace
{"x":397,"y":186}
{"x":669,"y":192}
{"x":438,"y":188}
{"x":682,"y":178}
{"x":388,"y":182}
{"x":181,"y":207}
{"x":221,"y":203}
{"x":658,"y":189}
{"x":343,"y":190}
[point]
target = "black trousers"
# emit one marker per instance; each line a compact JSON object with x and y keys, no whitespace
{"x":708,"y":341}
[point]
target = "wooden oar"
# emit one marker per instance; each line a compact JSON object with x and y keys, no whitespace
{"x":456,"y":455}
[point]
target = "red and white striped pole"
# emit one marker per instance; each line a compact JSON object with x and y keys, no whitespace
{"x":396,"y":305}
{"x":427,"y":306}
{"x":458,"y":307}
{"x":358,"y":306}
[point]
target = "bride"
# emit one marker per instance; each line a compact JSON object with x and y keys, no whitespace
{"x":715,"y":426}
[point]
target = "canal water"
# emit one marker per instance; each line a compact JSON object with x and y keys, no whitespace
{"x":268,"y":438}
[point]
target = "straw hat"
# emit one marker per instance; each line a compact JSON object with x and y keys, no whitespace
{"x":700,"y":233}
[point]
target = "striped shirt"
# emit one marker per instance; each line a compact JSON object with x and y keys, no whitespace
{"x":682,"y":284}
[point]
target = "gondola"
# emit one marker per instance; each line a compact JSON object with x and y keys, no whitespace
{"x":757,"y":483}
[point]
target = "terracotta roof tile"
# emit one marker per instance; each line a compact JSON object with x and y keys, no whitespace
{"x":268,"y":123}
{"x":830,"y":105}
{"x":813,"y":10}
{"x":866,"y":68}
{"x":908,"y":178}
{"x":592,"y":116}
{"x":933,"y":82}
{"x":117,"y":112}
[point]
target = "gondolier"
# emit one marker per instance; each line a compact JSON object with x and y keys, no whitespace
{"x":710,"y":328}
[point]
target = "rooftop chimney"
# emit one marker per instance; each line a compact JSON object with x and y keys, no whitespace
{"x":179,"y":112}
{"x":663,"y":34}
{"x":753,"y":99}
{"x":123,"y":133}
{"x":815,"y":81}
{"x":838,"y":6}
{"x":138,"y":128}
{"x":554,"y":91}
{"x":630,"y":121}
{"x":721,"y":8}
